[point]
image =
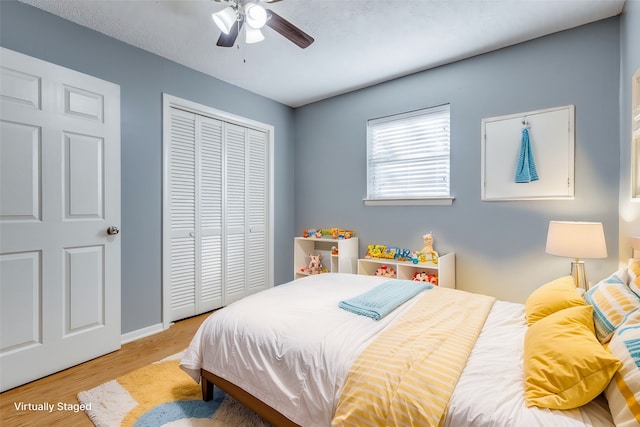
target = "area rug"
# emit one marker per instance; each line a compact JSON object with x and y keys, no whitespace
{"x":161,"y":394}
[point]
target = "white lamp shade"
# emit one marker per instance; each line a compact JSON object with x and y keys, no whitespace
{"x":225,"y":19}
{"x":255,"y":15}
{"x":576,"y":239}
{"x":253,"y":35}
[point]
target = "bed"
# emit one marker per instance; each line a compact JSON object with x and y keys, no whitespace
{"x":290,"y":354}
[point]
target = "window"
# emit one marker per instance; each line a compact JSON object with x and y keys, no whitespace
{"x":408,"y":158}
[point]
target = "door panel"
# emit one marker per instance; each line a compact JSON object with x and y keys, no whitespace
{"x":20,"y":88}
{"x":257,"y":277}
{"x":210,"y":213}
{"x":59,"y":192}
{"x":84,"y":288}
{"x":182,"y":214}
{"x":22,"y":285}
{"x":83,"y":159}
{"x":20,"y":171}
{"x":236,"y":258}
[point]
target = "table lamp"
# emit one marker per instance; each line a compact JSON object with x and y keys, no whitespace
{"x":577,"y":240}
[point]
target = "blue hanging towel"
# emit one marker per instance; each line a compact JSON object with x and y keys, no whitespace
{"x":526,"y":171}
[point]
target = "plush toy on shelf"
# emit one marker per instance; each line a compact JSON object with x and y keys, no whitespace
{"x":315,"y":265}
{"x":428,"y":248}
{"x":385,"y":271}
{"x":421,"y":276}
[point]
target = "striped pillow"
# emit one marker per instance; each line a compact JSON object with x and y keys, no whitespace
{"x":612,"y":301}
{"x":634,"y":277}
{"x":623,"y":392}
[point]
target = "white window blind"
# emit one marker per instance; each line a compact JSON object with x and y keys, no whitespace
{"x":408,"y":155}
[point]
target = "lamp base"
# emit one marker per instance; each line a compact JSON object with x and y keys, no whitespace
{"x":579,"y":275}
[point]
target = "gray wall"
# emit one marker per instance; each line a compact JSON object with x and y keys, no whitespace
{"x":629,"y":63}
{"x":499,"y":245}
{"x":143,"y":77}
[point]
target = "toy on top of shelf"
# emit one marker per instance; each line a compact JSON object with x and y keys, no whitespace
{"x":315,"y":265}
{"x":375,"y":251}
{"x":391,"y":253}
{"x":339,"y":233}
{"x":428,"y":248}
{"x":334,"y":233}
{"x":421,"y":276}
{"x":385,"y":271}
{"x":403,"y":255}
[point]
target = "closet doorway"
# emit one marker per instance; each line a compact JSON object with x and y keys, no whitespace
{"x":217,"y":208}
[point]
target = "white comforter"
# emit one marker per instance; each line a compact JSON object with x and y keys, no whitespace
{"x":291,"y":347}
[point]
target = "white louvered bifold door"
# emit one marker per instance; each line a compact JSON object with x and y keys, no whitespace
{"x":182,"y":200}
{"x":195,"y":168}
{"x":257,"y":213}
{"x":218,"y":195}
{"x":209,"y":283}
{"x":236,"y":207}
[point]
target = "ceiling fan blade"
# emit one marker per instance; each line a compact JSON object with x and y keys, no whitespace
{"x":271,"y":1}
{"x":288,"y":30}
{"x":228,"y":40}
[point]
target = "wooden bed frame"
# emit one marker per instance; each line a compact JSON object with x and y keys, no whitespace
{"x":208,"y":380}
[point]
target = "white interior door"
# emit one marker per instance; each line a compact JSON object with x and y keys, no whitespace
{"x":209,"y":289}
{"x":258,"y":212}
{"x":236,"y":209}
{"x":194,"y":213}
{"x":59,"y":196}
{"x":180,"y":215}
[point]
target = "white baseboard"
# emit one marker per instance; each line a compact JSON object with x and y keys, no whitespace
{"x":141,"y":333}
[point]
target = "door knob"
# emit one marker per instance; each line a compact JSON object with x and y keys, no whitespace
{"x":113,"y":230}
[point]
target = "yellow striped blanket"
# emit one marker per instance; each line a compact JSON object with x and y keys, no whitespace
{"x":406,"y":376}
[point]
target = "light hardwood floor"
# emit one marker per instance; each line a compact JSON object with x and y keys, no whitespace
{"x":64,"y":386}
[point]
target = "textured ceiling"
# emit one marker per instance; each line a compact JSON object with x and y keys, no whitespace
{"x":358,"y":43}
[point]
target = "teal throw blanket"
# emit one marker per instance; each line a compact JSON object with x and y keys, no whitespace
{"x":384,"y":298}
{"x":526,"y":170}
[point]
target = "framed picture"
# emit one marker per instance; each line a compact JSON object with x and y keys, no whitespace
{"x":547,"y":157}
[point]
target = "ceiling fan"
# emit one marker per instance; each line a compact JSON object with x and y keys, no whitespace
{"x":231,"y":19}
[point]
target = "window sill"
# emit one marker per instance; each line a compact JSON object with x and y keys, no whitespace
{"x":428,"y":201}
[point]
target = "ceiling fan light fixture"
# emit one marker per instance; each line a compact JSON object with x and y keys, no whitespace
{"x":255,"y":15}
{"x":253,"y":35}
{"x":225,"y":19}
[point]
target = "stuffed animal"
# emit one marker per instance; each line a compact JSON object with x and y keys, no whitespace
{"x":385,"y":271}
{"x":428,"y":248}
{"x":315,"y":266}
{"x":425,"y":277}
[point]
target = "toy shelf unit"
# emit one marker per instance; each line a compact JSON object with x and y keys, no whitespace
{"x":445,"y":269}
{"x":344,"y":262}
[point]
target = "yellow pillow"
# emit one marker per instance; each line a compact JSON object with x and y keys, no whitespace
{"x":564,"y":364}
{"x":551,"y":297}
